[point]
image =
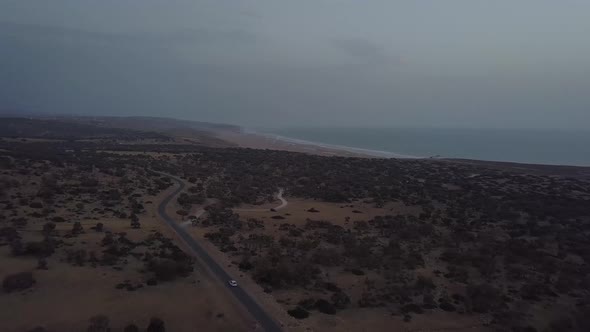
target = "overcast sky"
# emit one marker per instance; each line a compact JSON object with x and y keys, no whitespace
{"x":420,"y":63}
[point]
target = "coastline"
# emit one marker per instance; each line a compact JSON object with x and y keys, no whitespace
{"x":255,"y":140}
{"x":245,"y":138}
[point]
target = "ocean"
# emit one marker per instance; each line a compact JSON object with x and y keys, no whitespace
{"x":537,"y":146}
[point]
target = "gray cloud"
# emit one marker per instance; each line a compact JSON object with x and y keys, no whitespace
{"x":182,"y":36}
{"x":324,"y":62}
{"x":365,"y":50}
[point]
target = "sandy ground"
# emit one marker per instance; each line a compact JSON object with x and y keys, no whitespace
{"x":374,"y":319}
{"x":65,"y":296}
{"x":356,"y":319}
{"x":255,"y":141}
{"x":267,"y":301}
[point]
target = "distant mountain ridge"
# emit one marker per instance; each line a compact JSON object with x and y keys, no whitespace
{"x":129,"y":122}
{"x":22,"y":124}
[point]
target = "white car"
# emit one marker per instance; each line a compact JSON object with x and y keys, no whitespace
{"x":233,"y":283}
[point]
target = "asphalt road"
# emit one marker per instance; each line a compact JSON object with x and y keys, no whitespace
{"x":265,"y":321}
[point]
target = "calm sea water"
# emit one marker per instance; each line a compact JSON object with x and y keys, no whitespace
{"x":559,"y":147}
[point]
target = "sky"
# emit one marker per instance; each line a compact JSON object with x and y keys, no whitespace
{"x":276,"y":63}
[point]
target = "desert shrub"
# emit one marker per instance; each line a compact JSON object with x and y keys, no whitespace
{"x":48,"y":228}
{"x":58,"y":219}
{"x":561,"y":324}
{"x":245,"y":265}
{"x":99,"y":323}
{"x":357,"y":272}
{"x":36,"y":205}
{"x":423,"y":283}
{"x":330,"y":286}
{"x":327,"y":257}
{"x":42,"y":264}
{"x":99,"y":227}
{"x":446,"y":306}
{"x":76,"y":257}
{"x":109,"y":259}
{"x":340,"y":300}
{"x":17,"y":248}
{"x":298,"y":313}
{"x":167,"y":269}
{"x":307,"y":304}
{"x":9,"y":234}
{"x":482,"y":298}
{"x":156,"y":325}
{"x":43,"y":248}
{"x":18,"y":281}
{"x":428,"y":301}
{"x":108,"y":239}
{"x":131,"y":328}
{"x":38,"y":329}
{"x":412,"y":307}
{"x":325,"y":307}
{"x":284,"y":273}
{"x":77,"y":228}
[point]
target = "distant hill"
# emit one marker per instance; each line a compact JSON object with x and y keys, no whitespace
{"x":149,"y":123}
{"x":57,"y":129}
{"x":109,"y":127}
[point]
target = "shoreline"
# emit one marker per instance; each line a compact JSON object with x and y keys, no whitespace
{"x":246,"y":138}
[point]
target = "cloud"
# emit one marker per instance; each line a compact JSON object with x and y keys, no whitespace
{"x":178,"y":36}
{"x":365,"y":50}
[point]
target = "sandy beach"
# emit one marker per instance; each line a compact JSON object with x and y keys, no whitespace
{"x":272,"y":142}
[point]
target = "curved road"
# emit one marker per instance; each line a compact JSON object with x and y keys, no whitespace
{"x":267,"y":323}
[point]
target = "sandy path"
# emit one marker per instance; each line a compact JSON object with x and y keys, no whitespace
{"x":279,"y":196}
{"x":284,"y":202}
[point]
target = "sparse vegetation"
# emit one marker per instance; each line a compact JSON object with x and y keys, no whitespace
{"x":414,"y":236}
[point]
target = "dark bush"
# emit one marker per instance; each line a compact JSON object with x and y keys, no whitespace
{"x":18,"y":281}
{"x":412,"y":307}
{"x":330,"y":286}
{"x":9,"y":234}
{"x":245,"y":265}
{"x":357,"y":272}
{"x":307,"y":304}
{"x":58,"y":219}
{"x":77,"y":228}
{"x":99,"y":323}
{"x":298,"y":313}
{"x":48,"y":228}
{"x":446,"y":306}
{"x":340,"y":300}
{"x":167,"y":269}
{"x":131,"y":328}
{"x":42,"y":264}
{"x":36,"y":205}
{"x":43,"y":248}
{"x":38,"y":329}
{"x":482,"y":298}
{"x":561,"y":324}
{"x":325,"y":307}
{"x":156,"y":325}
